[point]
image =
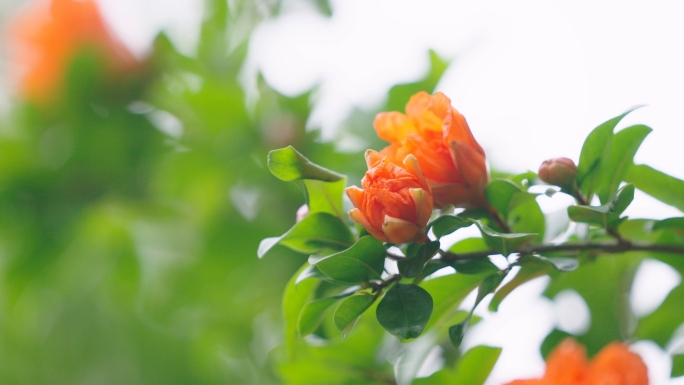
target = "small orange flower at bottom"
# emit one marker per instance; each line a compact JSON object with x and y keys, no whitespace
{"x":395,"y":203}
{"x":613,"y":365}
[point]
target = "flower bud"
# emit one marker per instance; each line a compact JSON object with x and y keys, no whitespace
{"x":395,"y":203}
{"x":559,"y":171}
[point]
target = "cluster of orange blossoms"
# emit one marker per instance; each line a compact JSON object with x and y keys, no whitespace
{"x":613,"y":365}
{"x":48,"y":36}
{"x":432,"y":161}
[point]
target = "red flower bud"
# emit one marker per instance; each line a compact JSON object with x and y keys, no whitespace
{"x":440,"y":139}
{"x":395,"y":203}
{"x":559,"y":171}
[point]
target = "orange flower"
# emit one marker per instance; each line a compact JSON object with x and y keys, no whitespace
{"x":440,"y":139}
{"x":395,"y":203}
{"x":48,"y":36}
{"x":613,"y":365}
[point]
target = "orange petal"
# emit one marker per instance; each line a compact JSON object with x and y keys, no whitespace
{"x":456,"y":128}
{"x":567,"y":364}
{"x":470,"y":164}
{"x":412,"y":166}
{"x":423,"y":201}
{"x":400,"y":231}
{"x":355,"y":195}
{"x":393,"y":126}
{"x":359,"y":217}
{"x":372,"y":158}
{"x":615,"y":364}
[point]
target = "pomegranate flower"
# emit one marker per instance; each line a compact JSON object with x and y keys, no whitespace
{"x":440,"y":139}
{"x":568,"y":365}
{"x":395,"y":203}
{"x":48,"y":35}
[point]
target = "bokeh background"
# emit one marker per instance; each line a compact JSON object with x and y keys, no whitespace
{"x":130,"y":211}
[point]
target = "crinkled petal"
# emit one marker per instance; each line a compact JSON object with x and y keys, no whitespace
{"x":615,"y":364}
{"x":372,"y":158}
{"x":400,"y":231}
{"x":359,"y":217}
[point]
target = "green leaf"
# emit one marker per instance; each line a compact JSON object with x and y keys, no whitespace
{"x":504,"y":243}
{"x":488,"y":285}
{"x":604,"y":284}
{"x":324,"y":188}
{"x":606,"y":214}
{"x":350,"y":310}
{"x":677,"y":365}
{"x":405,"y":310}
{"x":499,"y":193}
{"x":624,"y":147}
{"x":531,"y":267}
{"x":447,"y":293}
{"x":474,"y":266}
{"x":474,"y":367}
{"x":417,"y":255}
{"x":309,"y":272}
{"x":660,"y":325}
{"x":659,"y":185}
{"x":289,"y":165}
{"x":294,"y":298}
{"x":595,"y":155}
{"x":447,"y":224}
{"x":560,"y":263}
{"x":457,"y":332}
{"x":315,"y":233}
{"x":525,"y":215}
{"x":363,"y":261}
{"x":669,"y":223}
{"x":312,"y":314}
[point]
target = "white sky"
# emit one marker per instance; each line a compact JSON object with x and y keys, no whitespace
{"x":532,"y":77}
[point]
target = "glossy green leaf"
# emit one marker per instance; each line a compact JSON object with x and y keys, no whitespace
{"x":457,"y":332}
{"x":312,"y":314}
{"x":363,"y":261}
{"x":669,"y":223}
{"x":315,"y":233}
{"x":447,"y":224}
{"x":499,"y":193}
{"x":677,"y":365}
{"x":417,"y":255}
{"x":595,"y":155}
{"x":469,"y":245}
{"x":289,"y":165}
{"x":625,"y":145}
{"x":400,"y":94}
{"x":531,"y":267}
{"x":606,"y":214}
{"x":659,"y":185}
{"x":561,"y":263}
{"x":504,"y":243}
{"x":405,"y":310}
{"x":350,"y":310}
{"x":309,"y":272}
{"x":481,"y":265}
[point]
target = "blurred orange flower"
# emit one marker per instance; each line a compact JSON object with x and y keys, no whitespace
{"x":47,"y":36}
{"x":440,"y":139}
{"x":613,"y":365}
{"x":395,"y":203}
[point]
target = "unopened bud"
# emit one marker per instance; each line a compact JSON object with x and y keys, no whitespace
{"x":559,"y":171}
{"x":302,"y":212}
